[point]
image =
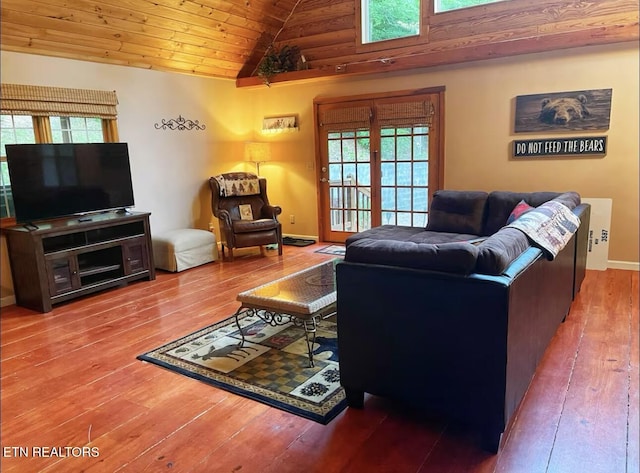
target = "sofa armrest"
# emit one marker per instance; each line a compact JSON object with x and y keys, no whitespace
{"x":496,"y":252}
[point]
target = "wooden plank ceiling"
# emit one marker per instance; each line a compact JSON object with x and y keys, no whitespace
{"x":227,"y":39}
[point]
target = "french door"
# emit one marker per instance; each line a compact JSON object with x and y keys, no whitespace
{"x":379,"y":160}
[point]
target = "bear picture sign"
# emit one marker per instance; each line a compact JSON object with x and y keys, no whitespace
{"x":563,"y":111}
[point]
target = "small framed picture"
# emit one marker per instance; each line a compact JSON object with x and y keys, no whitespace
{"x":245,"y":212}
{"x":279,"y":124}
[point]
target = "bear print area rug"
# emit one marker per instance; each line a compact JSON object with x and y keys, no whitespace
{"x":271,"y":367}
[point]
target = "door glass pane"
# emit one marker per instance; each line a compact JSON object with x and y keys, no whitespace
{"x":419,"y":220}
{"x":404,"y":148}
{"x":388,"y":198}
{"x":388,"y":174}
{"x":404,"y":175}
{"x":387,"y":149}
{"x":420,"y":173}
{"x":349,"y":181}
{"x":420,"y":145}
{"x":404,"y":219}
{"x":349,"y":150}
{"x":364,"y":174}
{"x":363,"y":150}
{"x":335,"y":173}
{"x":388,"y":218}
{"x":404,"y":198}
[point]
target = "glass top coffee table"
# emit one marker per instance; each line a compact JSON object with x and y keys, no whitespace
{"x":302,"y":298}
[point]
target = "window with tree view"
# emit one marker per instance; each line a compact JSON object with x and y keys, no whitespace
{"x":389,"y":19}
{"x":448,"y":5}
{"x":383,"y":20}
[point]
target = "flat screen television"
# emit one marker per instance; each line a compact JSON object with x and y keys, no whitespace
{"x":58,"y":180}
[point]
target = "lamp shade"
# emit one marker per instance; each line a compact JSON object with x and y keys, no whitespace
{"x":257,"y":152}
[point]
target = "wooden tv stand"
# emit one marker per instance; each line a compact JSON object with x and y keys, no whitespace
{"x":58,"y":260}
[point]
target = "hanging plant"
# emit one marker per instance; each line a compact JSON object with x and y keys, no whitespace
{"x":275,"y":62}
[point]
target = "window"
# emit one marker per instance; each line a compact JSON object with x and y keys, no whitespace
{"x":76,"y":130}
{"x":32,"y":114}
{"x":403,"y":22}
{"x":448,"y":5}
{"x":389,"y":19}
{"x":14,"y":129}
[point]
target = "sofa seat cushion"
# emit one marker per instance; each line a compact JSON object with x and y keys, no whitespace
{"x":458,"y":211}
{"x":386,"y":232}
{"x":497,"y":252}
{"x":410,"y":234}
{"x":455,"y":257}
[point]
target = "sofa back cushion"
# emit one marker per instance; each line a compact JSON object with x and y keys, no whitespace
{"x":456,"y":257}
{"x":501,"y":203}
{"x":458,"y":211}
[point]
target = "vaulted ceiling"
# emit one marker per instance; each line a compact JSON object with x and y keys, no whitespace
{"x":227,"y":39}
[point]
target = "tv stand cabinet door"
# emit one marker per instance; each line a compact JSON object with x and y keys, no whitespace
{"x":136,"y":255}
{"x":62,"y":273}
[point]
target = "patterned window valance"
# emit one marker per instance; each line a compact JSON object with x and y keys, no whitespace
{"x":350,"y":118}
{"x":238,"y":183}
{"x":36,"y":100}
{"x":405,"y":113}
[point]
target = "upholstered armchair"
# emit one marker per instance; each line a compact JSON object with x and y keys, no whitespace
{"x":239,"y":200}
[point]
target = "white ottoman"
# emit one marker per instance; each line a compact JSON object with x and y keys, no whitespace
{"x":177,"y":250}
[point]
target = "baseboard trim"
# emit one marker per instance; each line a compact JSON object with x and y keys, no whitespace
{"x":7,"y":301}
{"x":626,"y":265}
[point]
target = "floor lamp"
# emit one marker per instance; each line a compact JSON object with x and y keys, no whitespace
{"x":257,"y":153}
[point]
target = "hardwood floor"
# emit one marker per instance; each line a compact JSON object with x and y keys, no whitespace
{"x":70,"y":378}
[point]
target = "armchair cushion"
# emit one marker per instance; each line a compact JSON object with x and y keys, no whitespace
{"x":246,"y":226}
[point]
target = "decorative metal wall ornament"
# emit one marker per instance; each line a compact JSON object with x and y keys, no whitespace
{"x":180,"y":123}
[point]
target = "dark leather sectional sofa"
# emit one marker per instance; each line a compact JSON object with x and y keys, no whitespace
{"x":454,"y":319}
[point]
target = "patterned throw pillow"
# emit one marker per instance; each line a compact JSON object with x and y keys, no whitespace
{"x":518,"y":211}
